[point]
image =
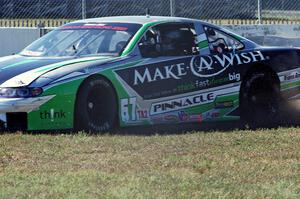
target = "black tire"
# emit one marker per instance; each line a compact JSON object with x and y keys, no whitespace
{"x":260,"y":100}
{"x":96,"y":106}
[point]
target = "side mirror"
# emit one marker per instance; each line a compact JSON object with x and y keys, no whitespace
{"x":148,"y":50}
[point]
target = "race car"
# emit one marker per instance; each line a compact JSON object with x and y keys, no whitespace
{"x":99,"y":74}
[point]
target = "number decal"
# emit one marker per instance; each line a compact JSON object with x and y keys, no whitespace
{"x":128,"y":109}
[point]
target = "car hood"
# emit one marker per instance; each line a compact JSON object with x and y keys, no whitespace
{"x":18,"y":71}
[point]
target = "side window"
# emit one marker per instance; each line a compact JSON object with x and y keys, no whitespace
{"x":118,"y":41}
{"x":169,"y":40}
{"x":149,"y":43}
{"x":221,"y":42}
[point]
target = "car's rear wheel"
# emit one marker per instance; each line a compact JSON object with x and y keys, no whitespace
{"x":96,"y":106}
{"x":260,"y":100}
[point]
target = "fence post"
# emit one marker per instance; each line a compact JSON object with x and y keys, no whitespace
{"x":172,"y":8}
{"x":259,"y":11}
{"x":83,"y":9}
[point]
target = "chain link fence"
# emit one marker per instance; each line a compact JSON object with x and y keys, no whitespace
{"x":30,"y":13}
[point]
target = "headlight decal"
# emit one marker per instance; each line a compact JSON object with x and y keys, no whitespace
{"x":22,"y":92}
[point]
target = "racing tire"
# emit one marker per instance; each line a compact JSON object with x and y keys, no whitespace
{"x":96,"y":106}
{"x":260,"y":100}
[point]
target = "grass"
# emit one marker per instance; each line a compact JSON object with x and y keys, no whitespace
{"x":237,"y":164}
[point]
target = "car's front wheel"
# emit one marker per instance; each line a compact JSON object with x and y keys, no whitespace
{"x":260,"y":100}
{"x":96,"y":106}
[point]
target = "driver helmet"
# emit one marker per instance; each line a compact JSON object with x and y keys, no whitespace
{"x":169,"y":41}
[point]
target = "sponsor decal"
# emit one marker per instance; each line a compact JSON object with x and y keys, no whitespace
{"x":175,"y":71}
{"x":202,"y":84}
{"x":189,"y":101}
{"x":142,"y":114}
{"x":96,"y":26}
{"x":212,"y":114}
{"x":218,"y":81}
{"x":186,"y":87}
{"x":200,"y":66}
{"x":157,"y":119}
{"x":185,"y":102}
{"x":171,"y":118}
{"x":234,"y":77}
{"x":196,"y":118}
{"x":227,"y":104}
{"x":292,"y":76}
{"x":20,"y":82}
{"x":209,"y":66}
{"x":183,"y":116}
{"x":52,"y":115}
{"x":215,"y":115}
{"x":182,"y":75}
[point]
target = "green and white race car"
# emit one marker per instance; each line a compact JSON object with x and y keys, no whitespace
{"x":97,"y":74}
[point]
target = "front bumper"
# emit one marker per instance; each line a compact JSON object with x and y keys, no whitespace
{"x":14,"y":105}
{"x":13,"y":111}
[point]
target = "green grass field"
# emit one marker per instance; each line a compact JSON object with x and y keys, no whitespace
{"x":233,"y":164}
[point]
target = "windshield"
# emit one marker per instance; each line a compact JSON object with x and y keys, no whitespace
{"x":83,"y":39}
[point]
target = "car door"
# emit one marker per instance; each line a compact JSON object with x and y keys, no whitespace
{"x":223,"y":69}
{"x":166,"y":50}
{"x":164,"y":73}
{"x":173,"y":82}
